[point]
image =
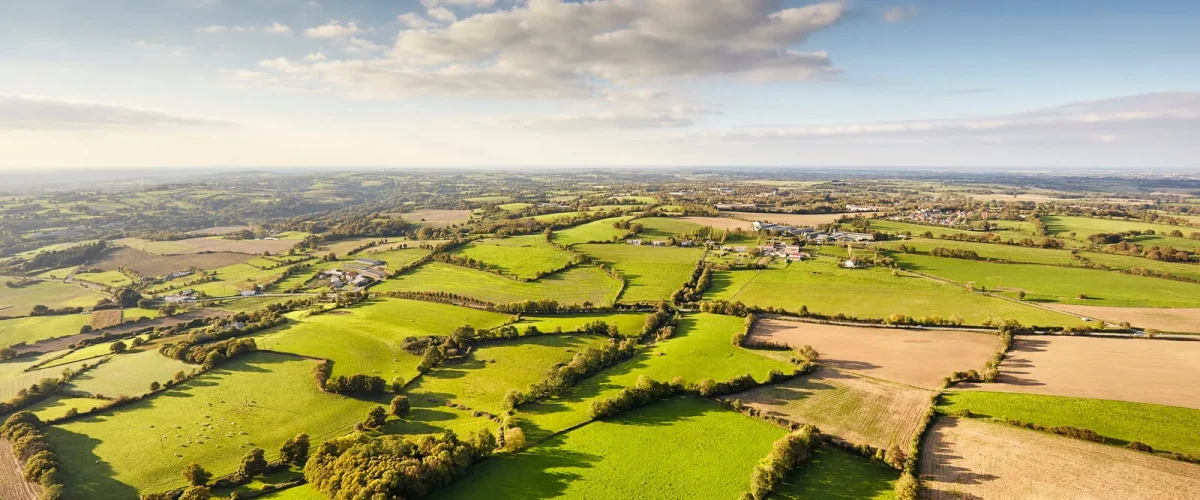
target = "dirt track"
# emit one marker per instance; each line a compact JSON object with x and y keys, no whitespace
{"x":1184,"y":320}
{"x":967,"y":459}
{"x":1142,"y":370}
{"x":915,"y":357}
{"x":12,"y":485}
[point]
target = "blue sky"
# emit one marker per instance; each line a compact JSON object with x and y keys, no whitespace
{"x":957,"y":83}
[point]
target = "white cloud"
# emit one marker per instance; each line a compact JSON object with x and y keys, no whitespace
{"x":271,"y":29}
{"x":278,"y":29}
{"x":334,"y":29}
{"x":442,"y":14}
{"x":357,"y":45}
{"x":464,"y":3}
{"x":36,"y":113}
{"x":315,"y":56}
{"x":555,"y":48}
{"x":415,"y":21}
{"x":899,"y":14}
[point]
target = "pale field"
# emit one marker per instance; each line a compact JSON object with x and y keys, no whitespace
{"x":105,"y":318}
{"x":724,"y":223}
{"x":919,"y":358}
{"x":1164,"y":372}
{"x":438,"y":218}
{"x":860,"y":410}
{"x":968,"y":459}
{"x":1008,"y":197}
{"x":810,"y":220}
{"x":12,"y":485}
{"x":1183,"y":320}
{"x":207,"y":244}
{"x":218,"y":231}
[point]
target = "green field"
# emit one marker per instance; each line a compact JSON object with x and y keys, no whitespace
{"x":1059,"y":284}
{"x":679,"y":448}
{"x":398,"y":257}
{"x":868,"y":293}
{"x":573,"y":286}
{"x":13,"y":376}
{"x":302,"y":492}
{"x":897,"y":227}
{"x":52,"y":294}
{"x":519,"y":256}
{"x":661,"y":228}
{"x":1168,"y":428}
{"x":235,"y":278}
{"x":365,"y":338}
{"x":628,"y":324}
{"x":257,"y":400}
{"x":35,"y":328}
{"x":556,"y":216}
{"x":1063,"y":226}
{"x":106,"y":278}
{"x":700,"y":349}
{"x":130,"y":374}
{"x":652,"y":274}
{"x":595,"y":231}
{"x":836,"y":474}
{"x":58,"y":406}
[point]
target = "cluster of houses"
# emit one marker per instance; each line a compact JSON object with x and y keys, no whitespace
{"x":936,"y":217}
{"x":181,"y":297}
{"x":355,"y":276}
{"x":814,"y":235}
{"x":657,"y":243}
{"x":790,"y":252}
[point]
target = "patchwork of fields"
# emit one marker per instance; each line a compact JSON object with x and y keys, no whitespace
{"x":574,"y":286}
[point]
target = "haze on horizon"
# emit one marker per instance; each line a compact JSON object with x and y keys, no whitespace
{"x":556,"y":83}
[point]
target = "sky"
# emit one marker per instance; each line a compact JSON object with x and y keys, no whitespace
{"x":1078,"y":84}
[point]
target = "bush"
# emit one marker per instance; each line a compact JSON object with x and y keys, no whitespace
{"x":400,"y":406}
{"x":295,"y":451}
{"x":788,"y":452}
{"x":514,"y":439}
{"x":906,"y":487}
{"x":195,"y":475}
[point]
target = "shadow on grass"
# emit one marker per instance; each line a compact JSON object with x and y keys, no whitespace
{"x":542,"y":472}
{"x":87,"y":476}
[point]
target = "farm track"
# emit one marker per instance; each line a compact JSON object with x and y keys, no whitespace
{"x":13,"y":485}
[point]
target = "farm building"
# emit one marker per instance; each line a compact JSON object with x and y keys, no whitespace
{"x":371,"y":262}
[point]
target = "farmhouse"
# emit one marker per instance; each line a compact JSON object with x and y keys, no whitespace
{"x":371,"y":262}
{"x":634,"y":242}
{"x":179,"y":274}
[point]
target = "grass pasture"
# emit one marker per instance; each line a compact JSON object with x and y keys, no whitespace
{"x":836,"y":474}
{"x":13,"y":376}
{"x":860,"y":410}
{"x":964,"y":458}
{"x":519,"y":256}
{"x":651,"y":274}
{"x":258,"y":400}
{"x":1167,"y":428}
{"x":1083,"y":227}
{"x":34,"y":328}
{"x":628,"y":324}
{"x":130,"y":374}
{"x":678,"y":448}
{"x":58,"y":406}
{"x":397,"y":257}
{"x":52,"y":294}
{"x":596,"y":231}
{"x":574,"y":286}
{"x":106,"y":278}
{"x":438,"y":218}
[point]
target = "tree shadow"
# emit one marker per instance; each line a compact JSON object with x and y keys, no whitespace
{"x":941,"y":452}
{"x":87,"y":475}
{"x":540,"y":472}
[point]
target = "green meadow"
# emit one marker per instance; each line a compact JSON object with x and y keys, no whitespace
{"x":652,"y":274}
{"x":897,"y":227}
{"x":13,"y":376}
{"x":258,"y":400}
{"x":574,"y":286}
{"x":661,"y":228}
{"x":233,"y":279}
{"x":106,"y":278}
{"x":825,"y":288}
{"x":1168,"y":428}
{"x":595,"y":231}
{"x":679,"y":448}
{"x":1083,"y":227}
{"x":836,"y":474}
{"x":129,"y":374}
{"x":628,"y":324}
{"x":52,"y":294}
{"x":1060,"y":284}
{"x":398,"y":257}
{"x":58,"y":406}
{"x":519,"y":256}
{"x":34,"y":328}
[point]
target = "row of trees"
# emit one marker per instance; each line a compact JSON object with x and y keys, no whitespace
{"x":24,"y":431}
{"x":694,"y":289}
{"x":392,"y":467}
{"x":583,"y":365}
{"x":789,"y":452}
{"x":209,"y":355}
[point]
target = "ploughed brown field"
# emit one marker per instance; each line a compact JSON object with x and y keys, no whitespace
{"x":915,"y":357}
{"x":860,"y":410}
{"x":796,"y":219}
{"x":1165,"y":372}
{"x":724,"y":223}
{"x":1183,"y":320}
{"x":12,"y":483}
{"x":105,"y":318}
{"x":151,"y":265}
{"x":437,"y":218}
{"x":963,"y":458}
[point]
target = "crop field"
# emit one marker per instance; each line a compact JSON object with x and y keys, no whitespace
{"x":220,"y":230}
{"x":208,"y":244}
{"x":12,"y":484}
{"x":257,"y":400}
{"x":1168,"y":428}
{"x":800,"y":220}
{"x":628,"y":324}
{"x":681,"y":451}
{"x":1060,"y":284}
{"x":519,"y":256}
{"x":701,"y":348}
{"x":919,"y":358}
{"x":574,"y":286}
{"x":1158,"y":372}
{"x":868,"y":293}
{"x":595,"y":231}
{"x":652,"y":274}
{"x":129,"y":374}
{"x":836,"y":474}
{"x":151,"y":265}
{"x":106,"y":278}
{"x":105,"y":318}
{"x":34,"y":328}
{"x":1083,"y":227}
{"x":19,"y":301}
{"x":438,"y":218}
{"x":963,"y":458}
{"x":860,"y":410}
{"x":1182,"y":320}
{"x":365,"y":339}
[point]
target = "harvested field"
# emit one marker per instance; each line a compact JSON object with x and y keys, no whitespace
{"x":151,"y":265}
{"x":916,"y":357}
{"x":860,"y":410}
{"x":962,"y":458}
{"x":1183,"y":320}
{"x":105,"y":318}
{"x":724,"y":223}
{"x":207,"y":244}
{"x":218,"y":231}
{"x":1139,"y":370}
{"x":438,"y":218}
{"x":12,"y":485}
{"x":795,"y":219}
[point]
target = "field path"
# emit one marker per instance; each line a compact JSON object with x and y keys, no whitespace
{"x":968,"y":459}
{"x":12,"y":485}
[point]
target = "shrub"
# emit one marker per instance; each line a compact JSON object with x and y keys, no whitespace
{"x":195,"y":475}
{"x":514,"y":438}
{"x":400,"y":406}
{"x":788,"y":452}
{"x":295,"y":450}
